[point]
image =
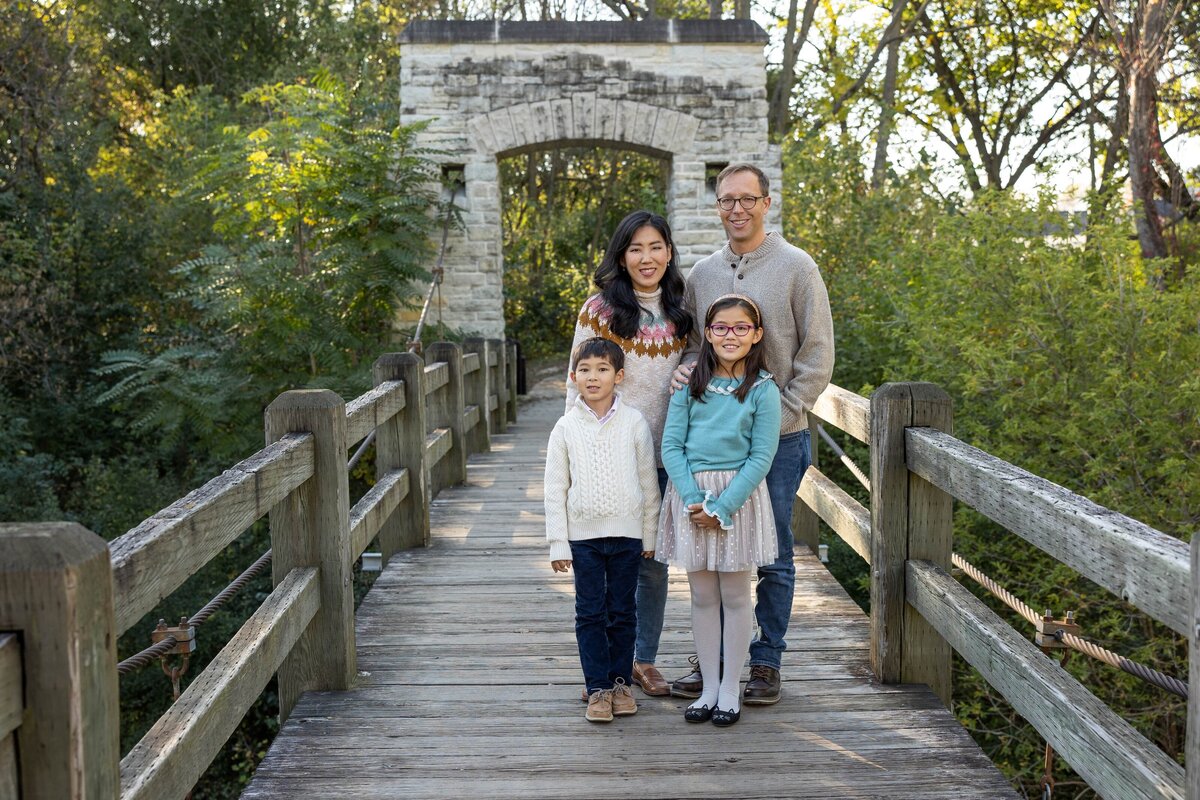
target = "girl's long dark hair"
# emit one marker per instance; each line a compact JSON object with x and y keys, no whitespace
{"x":617,"y":289}
{"x":706,"y":365}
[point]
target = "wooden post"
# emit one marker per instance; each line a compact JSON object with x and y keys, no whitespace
{"x":910,"y":518}
{"x":475,"y":392}
{"x":511,"y":379}
{"x":311,"y":528}
{"x":447,"y":412}
{"x":56,"y":591}
{"x":805,"y":522}
{"x":500,"y":386}
{"x":400,"y":444}
{"x":1191,"y":758}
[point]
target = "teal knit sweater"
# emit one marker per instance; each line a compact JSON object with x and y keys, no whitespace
{"x":722,"y":434}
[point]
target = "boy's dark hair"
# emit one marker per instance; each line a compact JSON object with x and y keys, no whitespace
{"x":599,"y":347}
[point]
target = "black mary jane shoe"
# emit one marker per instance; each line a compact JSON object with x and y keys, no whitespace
{"x":701,"y":714}
{"x":723,"y":719}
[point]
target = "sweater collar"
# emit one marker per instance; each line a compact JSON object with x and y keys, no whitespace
{"x":587,"y":412}
{"x":771,"y":245}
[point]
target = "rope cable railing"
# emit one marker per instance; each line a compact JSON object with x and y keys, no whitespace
{"x":1148,"y":674}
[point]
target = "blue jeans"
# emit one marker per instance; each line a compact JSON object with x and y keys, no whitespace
{"x":606,"y":573}
{"x":777,"y":581}
{"x":651,"y":599}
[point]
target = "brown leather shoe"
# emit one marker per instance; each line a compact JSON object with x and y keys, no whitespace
{"x":690,"y":685}
{"x":763,"y":688}
{"x":650,"y":680}
{"x":623,"y":704}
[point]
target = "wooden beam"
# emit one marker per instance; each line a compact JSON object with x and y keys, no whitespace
{"x":476,"y":391}
{"x":1192,"y":747}
{"x":1115,"y":760}
{"x":56,"y":591}
{"x":373,"y":509}
{"x":311,"y":528}
{"x":177,"y":750}
{"x":841,"y":512}
{"x":437,"y":444}
{"x":365,"y":413}
{"x":12,"y":684}
{"x":445,"y":410}
{"x":401,"y":446}
{"x":846,"y":411}
{"x":436,"y":376}
{"x":157,"y":556}
{"x":1132,"y":560}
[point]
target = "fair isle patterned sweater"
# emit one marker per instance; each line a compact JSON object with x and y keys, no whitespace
{"x":650,"y":358}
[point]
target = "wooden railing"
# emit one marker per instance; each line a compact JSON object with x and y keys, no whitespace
{"x":918,"y":611}
{"x":65,"y":595}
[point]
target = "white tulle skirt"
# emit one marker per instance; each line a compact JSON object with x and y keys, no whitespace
{"x":751,"y":543}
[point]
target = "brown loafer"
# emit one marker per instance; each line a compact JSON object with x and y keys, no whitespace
{"x":650,"y":680}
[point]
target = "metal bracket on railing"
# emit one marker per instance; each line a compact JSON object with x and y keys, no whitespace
{"x":184,"y":635}
{"x":1048,"y":626}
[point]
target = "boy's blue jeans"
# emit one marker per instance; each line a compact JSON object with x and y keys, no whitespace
{"x":777,"y":581}
{"x":606,"y":574}
{"x":651,"y":599}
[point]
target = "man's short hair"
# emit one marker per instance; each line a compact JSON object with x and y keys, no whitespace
{"x":763,"y":184}
{"x":599,"y":347}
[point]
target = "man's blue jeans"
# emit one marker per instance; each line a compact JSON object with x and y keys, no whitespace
{"x":777,"y":581}
{"x":651,"y":599}
{"x":606,"y":574}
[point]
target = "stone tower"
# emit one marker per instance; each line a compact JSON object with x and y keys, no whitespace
{"x":692,"y":92}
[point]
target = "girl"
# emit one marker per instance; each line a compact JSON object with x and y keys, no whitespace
{"x":720,"y":437}
{"x":640,"y":308}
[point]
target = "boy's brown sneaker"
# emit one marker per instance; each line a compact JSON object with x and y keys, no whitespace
{"x":623,"y":704}
{"x":600,"y":706}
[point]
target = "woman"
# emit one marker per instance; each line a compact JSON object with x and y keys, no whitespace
{"x":640,"y":307}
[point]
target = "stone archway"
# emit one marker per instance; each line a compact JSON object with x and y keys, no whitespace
{"x":691,"y":92}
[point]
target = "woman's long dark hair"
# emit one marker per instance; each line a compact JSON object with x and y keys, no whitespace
{"x":617,"y":289}
{"x":706,"y":365}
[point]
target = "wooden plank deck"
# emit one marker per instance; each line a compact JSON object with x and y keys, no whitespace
{"x":470,"y":683}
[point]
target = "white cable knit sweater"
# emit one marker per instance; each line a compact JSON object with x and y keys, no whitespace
{"x":600,"y":479}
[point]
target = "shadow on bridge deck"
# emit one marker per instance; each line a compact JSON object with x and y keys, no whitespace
{"x":470,"y":684}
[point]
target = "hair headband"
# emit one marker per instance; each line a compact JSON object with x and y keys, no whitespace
{"x":743,"y":298}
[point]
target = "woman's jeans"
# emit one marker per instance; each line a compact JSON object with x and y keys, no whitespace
{"x":777,"y":581}
{"x":606,"y":573}
{"x":651,"y":599}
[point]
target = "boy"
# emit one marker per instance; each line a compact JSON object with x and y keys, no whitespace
{"x":601,"y":490}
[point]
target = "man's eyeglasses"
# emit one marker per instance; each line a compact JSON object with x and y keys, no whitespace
{"x":727,"y":203}
{"x":739,"y":330}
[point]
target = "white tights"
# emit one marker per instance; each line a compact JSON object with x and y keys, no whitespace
{"x":712,"y":591}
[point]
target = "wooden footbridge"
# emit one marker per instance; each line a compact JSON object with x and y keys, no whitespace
{"x":458,"y":675}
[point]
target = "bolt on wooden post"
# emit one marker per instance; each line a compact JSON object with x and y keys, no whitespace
{"x":400,"y":444}
{"x":311,"y":528}
{"x":56,"y":594}
{"x":910,"y":519}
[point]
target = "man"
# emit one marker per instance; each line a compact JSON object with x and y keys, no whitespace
{"x":798,"y":331}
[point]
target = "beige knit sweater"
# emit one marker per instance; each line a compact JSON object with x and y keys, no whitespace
{"x":786,"y":285}
{"x":650,"y":357}
{"x":600,"y":479}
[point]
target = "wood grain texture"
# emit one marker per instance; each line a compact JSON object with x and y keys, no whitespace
{"x":56,"y":591}
{"x":401,"y":445}
{"x":1192,"y":746}
{"x":1132,"y":560}
{"x":436,"y":376}
{"x":437,"y":445}
{"x":891,"y":412}
{"x":476,"y":391}
{"x":1115,"y":760}
{"x":311,"y":528}
{"x":155,"y":558}
{"x":9,"y":776}
{"x":445,"y":410}
{"x":12,"y":684}
{"x":841,"y":512}
{"x":174,"y":753}
{"x":366,"y":412}
{"x":478,"y":621}
{"x":470,"y":361}
{"x":846,"y":411}
{"x":374,"y":508}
